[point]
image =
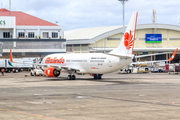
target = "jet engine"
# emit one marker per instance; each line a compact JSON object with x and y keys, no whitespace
{"x":52,"y":72}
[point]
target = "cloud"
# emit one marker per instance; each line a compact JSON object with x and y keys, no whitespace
{"x":74,"y":14}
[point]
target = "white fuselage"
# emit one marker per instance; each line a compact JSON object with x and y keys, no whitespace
{"x":87,"y":63}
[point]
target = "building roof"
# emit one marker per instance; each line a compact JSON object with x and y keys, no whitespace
{"x":88,"y":33}
{"x":23,"y":19}
{"x":92,"y":35}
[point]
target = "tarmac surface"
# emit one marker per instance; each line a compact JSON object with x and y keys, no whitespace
{"x":152,"y":96}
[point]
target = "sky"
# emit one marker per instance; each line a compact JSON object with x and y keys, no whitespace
{"x":75,"y":14}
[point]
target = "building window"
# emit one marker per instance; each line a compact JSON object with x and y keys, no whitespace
{"x":45,"y":35}
{"x":144,"y":53}
{"x":113,"y":38}
{"x":76,"y":47}
{"x":142,"y":38}
{"x":30,"y":34}
{"x":54,"y":35}
{"x":174,"y":38}
{"x":69,"y":48}
{"x":6,"y":34}
{"x":21,"y":35}
{"x":96,"y":60}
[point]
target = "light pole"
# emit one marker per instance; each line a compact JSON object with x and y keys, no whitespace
{"x":123,"y":2}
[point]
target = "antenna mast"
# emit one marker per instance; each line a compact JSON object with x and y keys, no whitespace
{"x":154,"y":18}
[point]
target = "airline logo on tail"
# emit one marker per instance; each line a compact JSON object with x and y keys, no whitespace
{"x":128,"y":40}
{"x":127,"y":43}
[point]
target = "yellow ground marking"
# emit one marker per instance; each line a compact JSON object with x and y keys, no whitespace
{"x":31,"y":118}
{"x":72,"y":109}
{"x":41,"y":116}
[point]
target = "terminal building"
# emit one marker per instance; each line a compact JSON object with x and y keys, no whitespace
{"x":105,"y":39}
{"x":29,"y":36}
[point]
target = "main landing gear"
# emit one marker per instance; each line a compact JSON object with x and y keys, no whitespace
{"x":71,"y":77}
{"x":98,"y":76}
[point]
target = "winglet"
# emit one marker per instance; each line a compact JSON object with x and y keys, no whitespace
{"x":11,"y":56}
{"x":172,"y":57}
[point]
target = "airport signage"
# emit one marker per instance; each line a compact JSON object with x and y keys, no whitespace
{"x":153,"y":38}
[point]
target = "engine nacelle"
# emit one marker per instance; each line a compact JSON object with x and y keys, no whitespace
{"x":52,"y":72}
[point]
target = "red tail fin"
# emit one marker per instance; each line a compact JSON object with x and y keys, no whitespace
{"x":134,"y":32}
{"x":11,"y":60}
{"x":172,"y":57}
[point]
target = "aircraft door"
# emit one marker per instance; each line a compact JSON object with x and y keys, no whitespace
{"x":110,"y":61}
{"x":6,"y":63}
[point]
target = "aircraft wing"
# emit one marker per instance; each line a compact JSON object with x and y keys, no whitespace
{"x":75,"y":68}
{"x":70,"y":68}
{"x":60,"y":67}
{"x":51,"y":65}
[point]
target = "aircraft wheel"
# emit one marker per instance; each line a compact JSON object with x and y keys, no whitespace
{"x":9,"y":71}
{"x":95,"y":76}
{"x":99,"y":76}
{"x":31,"y":74}
{"x":69,"y":77}
{"x":129,"y":71}
{"x":73,"y":77}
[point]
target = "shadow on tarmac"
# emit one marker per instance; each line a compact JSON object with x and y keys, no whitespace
{"x":105,"y":80}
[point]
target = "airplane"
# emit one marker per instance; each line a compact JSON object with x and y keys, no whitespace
{"x":95,"y":64}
